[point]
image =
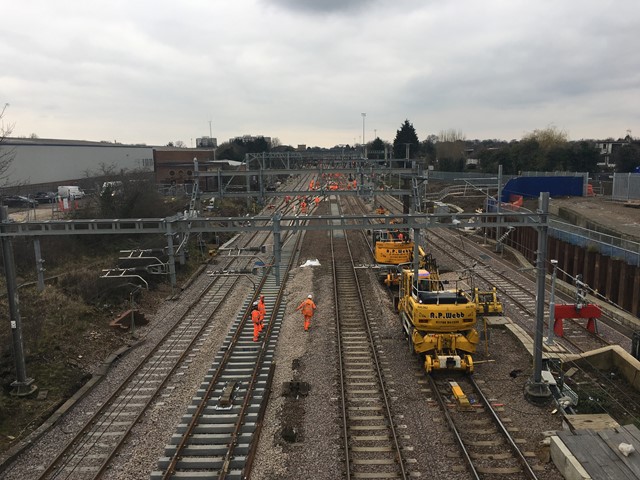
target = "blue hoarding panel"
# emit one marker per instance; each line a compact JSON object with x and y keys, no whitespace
{"x":532,"y":186}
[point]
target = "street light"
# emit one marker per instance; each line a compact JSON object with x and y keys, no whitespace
{"x":552,"y":304}
{"x":363,"y":141}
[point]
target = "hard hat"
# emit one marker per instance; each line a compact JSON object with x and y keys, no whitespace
{"x":261,"y":296}
{"x":255,"y":304}
{"x":310,"y":296}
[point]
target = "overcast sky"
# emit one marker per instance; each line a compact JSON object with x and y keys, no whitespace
{"x":305,"y":70}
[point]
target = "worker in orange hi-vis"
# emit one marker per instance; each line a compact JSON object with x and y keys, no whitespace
{"x":308,"y":308}
{"x":317,"y":201}
{"x":255,"y":318}
{"x":262,"y":308}
{"x":303,"y":207}
{"x":311,"y":185}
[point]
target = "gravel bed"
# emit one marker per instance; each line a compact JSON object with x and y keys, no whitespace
{"x":43,"y":449}
{"x":421,"y":425}
{"x":313,"y":448}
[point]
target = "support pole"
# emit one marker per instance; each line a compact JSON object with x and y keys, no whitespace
{"x":552,"y":304}
{"x":277,"y":247}
{"x":24,"y":385}
{"x":172,"y":258}
{"x":416,"y":254}
{"x":536,"y":391}
{"x":499,"y":246}
{"x":39,"y":263}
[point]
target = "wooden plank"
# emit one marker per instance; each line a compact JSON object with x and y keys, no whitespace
{"x":634,"y":432}
{"x":596,"y":457}
{"x":613,"y":439}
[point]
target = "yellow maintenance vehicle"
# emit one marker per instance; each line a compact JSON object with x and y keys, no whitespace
{"x":393,"y":250}
{"x":439,"y":323}
{"x":487,"y":302}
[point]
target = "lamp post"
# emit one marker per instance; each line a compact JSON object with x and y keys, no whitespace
{"x":363,"y":141}
{"x":552,"y":303}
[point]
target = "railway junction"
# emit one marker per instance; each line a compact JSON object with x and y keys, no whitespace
{"x":346,"y":399}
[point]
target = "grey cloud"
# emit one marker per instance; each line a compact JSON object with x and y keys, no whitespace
{"x":323,"y":6}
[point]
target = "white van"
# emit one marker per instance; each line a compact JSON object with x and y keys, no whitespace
{"x":70,"y":191}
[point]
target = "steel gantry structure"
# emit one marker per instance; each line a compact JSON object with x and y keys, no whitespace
{"x":179,"y":226}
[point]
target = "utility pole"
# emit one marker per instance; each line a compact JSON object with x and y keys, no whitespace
{"x":536,"y":390}
{"x":363,"y":140}
{"x":552,"y":303}
{"x":24,"y":385}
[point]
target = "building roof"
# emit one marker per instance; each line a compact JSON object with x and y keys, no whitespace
{"x":45,"y":142}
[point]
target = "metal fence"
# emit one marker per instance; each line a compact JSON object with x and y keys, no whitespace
{"x":626,"y":186}
{"x":615,"y":247}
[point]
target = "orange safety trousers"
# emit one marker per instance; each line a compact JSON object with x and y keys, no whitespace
{"x":255,"y":317}
{"x":262,"y":308}
{"x":307,"y":321}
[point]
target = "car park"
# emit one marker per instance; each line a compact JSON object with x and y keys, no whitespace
{"x":19,"y":201}
{"x":45,"y":197}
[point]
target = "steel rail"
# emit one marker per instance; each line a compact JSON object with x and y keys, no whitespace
{"x":376,"y":363}
{"x":92,"y":422}
{"x":212,"y":384}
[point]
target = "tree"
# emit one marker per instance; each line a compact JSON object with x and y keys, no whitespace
{"x":548,"y":138}
{"x":376,"y":148}
{"x":7,"y":154}
{"x":428,"y":150}
{"x":451,"y":135}
{"x":406,"y":135}
{"x":450,"y":150}
{"x":627,"y":157}
{"x":180,"y":144}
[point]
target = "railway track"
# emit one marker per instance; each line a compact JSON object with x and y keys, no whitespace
{"x":89,"y":452}
{"x":485,"y":444}
{"x":219,"y":433}
{"x":517,"y":290}
{"x":371,"y":443}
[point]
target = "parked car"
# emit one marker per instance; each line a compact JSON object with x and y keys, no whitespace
{"x":19,"y":201}
{"x":45,"y":197}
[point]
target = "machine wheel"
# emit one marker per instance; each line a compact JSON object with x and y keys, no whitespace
{"x":428,"y":364}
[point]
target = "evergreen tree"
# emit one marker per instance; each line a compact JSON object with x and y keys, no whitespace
{"x":406,"y":135}
{"x":375,"y":149}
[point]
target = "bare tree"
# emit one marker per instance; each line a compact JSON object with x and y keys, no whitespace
{"x":451,"y":135}
{"x":450,"y":150}
{"x":180,"y":144}
{"x":548,"y":138}
{"x":7,"y":154}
